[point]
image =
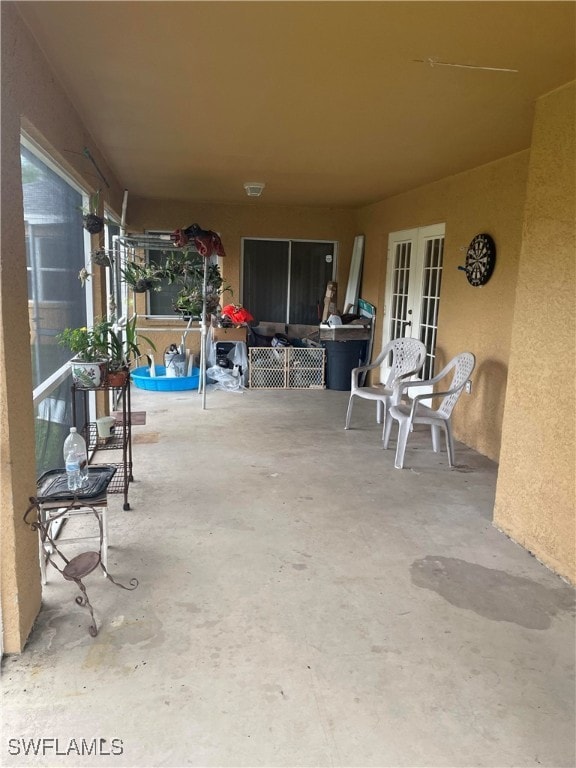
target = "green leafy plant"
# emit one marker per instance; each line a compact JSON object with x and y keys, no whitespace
{"x":124,"y":346}
{"x":87,"y":344}
{"x":141,"y":277}
{"x":93,"y":222}
{"x":183,"y":268}
{"x":191,"y":277}
{"x":105,"y":341}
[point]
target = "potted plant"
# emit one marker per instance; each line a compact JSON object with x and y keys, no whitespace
{"x":141,"y":277}
{"x":190,"y":275}
{"x":186,"y":269}
{"x":90,"y":349}
{"x":123,"y":350}
{"x":92,"y":220}
{"x":101,"y":258}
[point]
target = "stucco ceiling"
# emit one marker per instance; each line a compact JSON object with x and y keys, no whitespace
{"x":324,"y":102}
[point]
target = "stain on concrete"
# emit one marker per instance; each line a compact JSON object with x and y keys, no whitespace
{"x":491,"y":593}
{"x":299,"y":566}
{"x":149,"y":437}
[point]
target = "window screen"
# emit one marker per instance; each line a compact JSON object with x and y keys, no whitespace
{"x":55,"y":255}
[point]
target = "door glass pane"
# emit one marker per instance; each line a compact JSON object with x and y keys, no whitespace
{"x":430,"y":301}
{"x":400,"y":281}
{"x":265,"y":279}
{"x":310,"y":272}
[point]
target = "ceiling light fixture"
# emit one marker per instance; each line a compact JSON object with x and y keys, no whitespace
{"x":254,"y":188}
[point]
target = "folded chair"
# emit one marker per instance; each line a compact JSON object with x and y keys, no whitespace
{"x":408,"y":357}
{"x":414,"y":412}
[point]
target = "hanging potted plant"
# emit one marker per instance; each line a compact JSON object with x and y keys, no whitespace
{"x":141,"y":278}
{"x":90,"y":349}
{"x":190,"y":274}
{"x":101,"y":258}
{"x":92,"y":220}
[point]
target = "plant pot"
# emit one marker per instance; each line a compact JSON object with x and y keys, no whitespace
{"x":101,"y":258}
{"x":117,"y":378}
{"x":93,"y":223}
{"x":142,"y":285}
{"x":89,"y":375}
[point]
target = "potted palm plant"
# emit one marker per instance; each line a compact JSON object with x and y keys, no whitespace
{"x":124,"y":350}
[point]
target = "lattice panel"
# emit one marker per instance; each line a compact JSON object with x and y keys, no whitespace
{"x":286,"y":368}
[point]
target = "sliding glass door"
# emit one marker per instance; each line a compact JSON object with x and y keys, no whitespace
{"x":284,"y":281}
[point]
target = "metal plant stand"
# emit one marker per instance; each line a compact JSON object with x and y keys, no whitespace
{"x":41,"y":515}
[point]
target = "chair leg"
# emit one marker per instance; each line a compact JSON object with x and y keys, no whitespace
{"x":449,"y":444}
{"x":379,"y":409}
{"x":403,"y":432}
{"x":435,"y":429}
{"x":349,"y":412}
{"x":387,"y":429}
{"x":42,"y":559}
{"x":104,"y":546}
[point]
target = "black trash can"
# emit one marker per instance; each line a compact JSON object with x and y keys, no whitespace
{"x":341,"y":358}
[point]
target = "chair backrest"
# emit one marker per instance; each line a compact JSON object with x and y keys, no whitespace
{"x":407,"y":355}
{"x":463,"y":365}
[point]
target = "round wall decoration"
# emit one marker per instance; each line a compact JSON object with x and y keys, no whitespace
{"x":480,"y":260}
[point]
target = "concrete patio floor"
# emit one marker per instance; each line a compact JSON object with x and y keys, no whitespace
{"x":301,"y":603}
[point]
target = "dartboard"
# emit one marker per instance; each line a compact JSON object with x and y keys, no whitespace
{"x":480,"y":259}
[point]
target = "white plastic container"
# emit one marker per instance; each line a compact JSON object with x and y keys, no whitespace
{"x":76,"y":460}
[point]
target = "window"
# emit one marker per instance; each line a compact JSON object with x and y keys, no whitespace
{"x":55,"y":254}
{"x":284,"y":281}
{"x":161,"y":302}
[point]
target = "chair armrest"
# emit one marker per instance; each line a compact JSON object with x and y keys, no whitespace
{"x":369,"y":367}
{"x":429,"y":395}
{"x":357,"y":371}
{"x":426,"y":396}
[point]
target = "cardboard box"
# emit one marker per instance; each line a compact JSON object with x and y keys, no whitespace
{"x":229,"y":334}
{"x":330,"y":300}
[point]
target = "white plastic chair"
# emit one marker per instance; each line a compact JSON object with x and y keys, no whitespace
{"x":408,"y":357}
{"x":408,"y":414}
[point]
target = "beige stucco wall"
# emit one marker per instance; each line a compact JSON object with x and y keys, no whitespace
{"x":233,"y":222}
{"x":486,"y":199}
{"x":31,"y":97}
{"x":535,"y":498}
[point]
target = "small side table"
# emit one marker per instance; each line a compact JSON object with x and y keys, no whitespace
{"x":56,"y":503}
{"x":51,"y":512}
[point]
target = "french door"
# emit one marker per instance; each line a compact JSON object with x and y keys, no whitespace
{"x":413,"y":281}
{"x":284,"y":281}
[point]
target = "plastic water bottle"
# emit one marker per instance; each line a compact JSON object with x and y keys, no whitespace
{"x":76,"y":460}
